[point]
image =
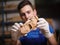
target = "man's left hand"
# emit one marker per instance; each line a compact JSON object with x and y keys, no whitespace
{"x":43,"y":25}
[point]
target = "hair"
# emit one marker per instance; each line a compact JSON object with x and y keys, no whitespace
{"x":23,"y":3}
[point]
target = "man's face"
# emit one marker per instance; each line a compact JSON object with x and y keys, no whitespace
{"x":27,"y":12}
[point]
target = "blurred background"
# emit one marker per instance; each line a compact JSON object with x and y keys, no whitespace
{"x":48,"y":9}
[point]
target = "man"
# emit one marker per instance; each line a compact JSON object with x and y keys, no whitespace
{"x":38,"y":35}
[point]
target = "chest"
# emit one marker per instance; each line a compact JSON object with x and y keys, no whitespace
{"x":34,"y":38}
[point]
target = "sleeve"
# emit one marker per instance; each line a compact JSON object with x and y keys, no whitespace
{"x":51,"y":29}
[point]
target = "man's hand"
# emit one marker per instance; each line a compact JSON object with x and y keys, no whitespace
{"x":15,"y":31}
{"x":44,"y":26}
{"x":22,"y":28}
{"x":19,"y":27}
{"x":16,"y":26}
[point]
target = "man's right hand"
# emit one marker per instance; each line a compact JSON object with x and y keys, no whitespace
{"x":14,"y":31}
{"x":23,"y":29}
{"x":16,"y":26}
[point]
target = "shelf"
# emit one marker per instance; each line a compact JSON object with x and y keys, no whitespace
{"x":9,"y":7}
{"x":9,"y":23}
{"x":8,"y":0}
{"x":9,"y":11}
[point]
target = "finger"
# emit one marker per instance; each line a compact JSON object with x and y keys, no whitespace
{"x":21,"y":24}
{"x":41,"y":25}
{"x":41,"y":22}
{"x":17,"y":25}
{"x":13,"y":29}
{"x":41,"y":19}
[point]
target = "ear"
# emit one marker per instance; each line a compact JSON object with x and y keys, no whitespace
{"x":35,"y":12}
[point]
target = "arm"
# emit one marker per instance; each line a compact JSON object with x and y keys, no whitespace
{"x":18,"y":42}
{"x":14,"y":37}
{"x":52,"y":40}
{"x":15,"y":33}
{"x":13,"y":42}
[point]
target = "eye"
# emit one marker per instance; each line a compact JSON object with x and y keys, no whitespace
{"x":22,"y":14}
{"x":28,"y":12}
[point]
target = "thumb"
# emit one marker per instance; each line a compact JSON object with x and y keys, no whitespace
{"x":21,"y":24}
